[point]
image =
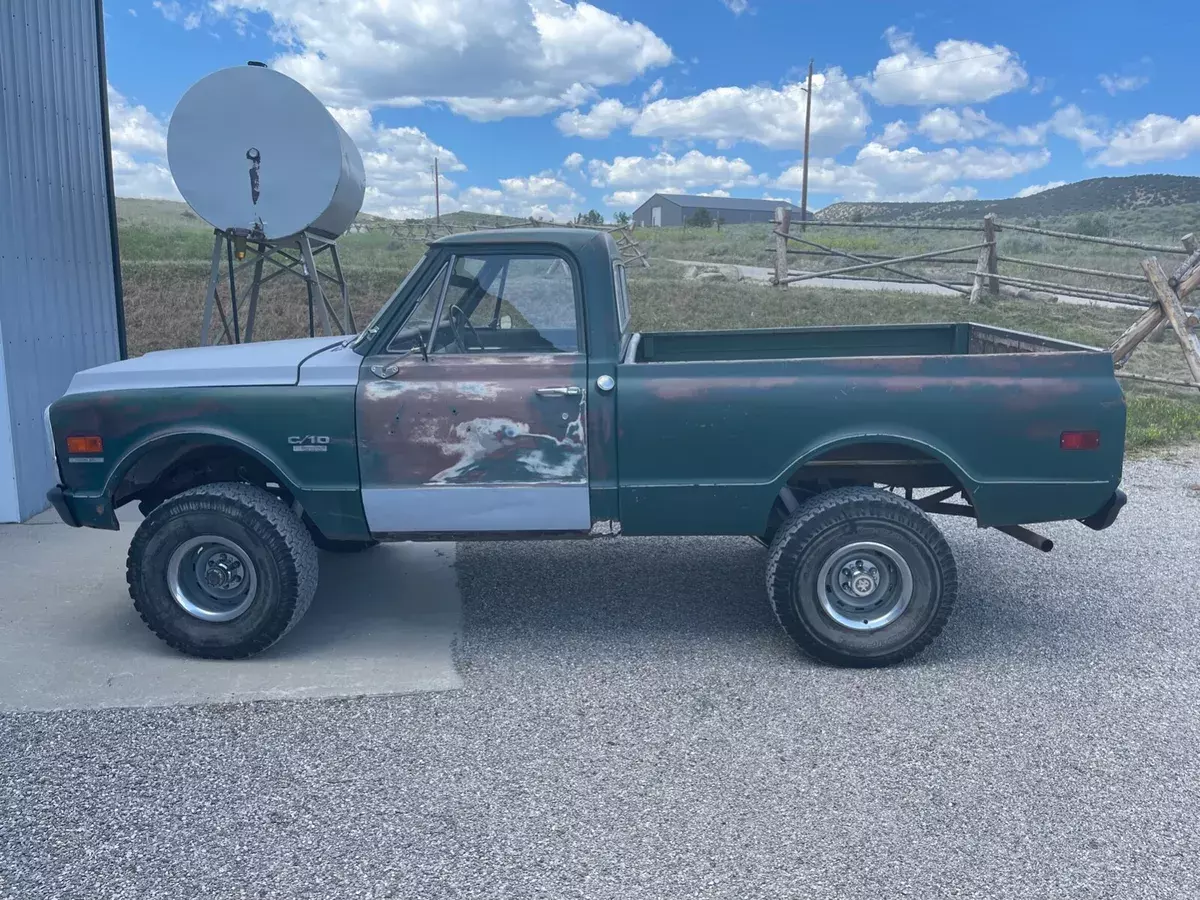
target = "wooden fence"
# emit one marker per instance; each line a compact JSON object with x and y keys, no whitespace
{"x":1162,"y":298}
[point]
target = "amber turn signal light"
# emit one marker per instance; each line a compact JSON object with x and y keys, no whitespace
{"x":85,"y":444}
{"x":1079,"y":440}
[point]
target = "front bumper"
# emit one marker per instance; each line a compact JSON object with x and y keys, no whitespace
{"x":59,"y":501}
{"x":83,"y":512}
{"x":1107,"y":514}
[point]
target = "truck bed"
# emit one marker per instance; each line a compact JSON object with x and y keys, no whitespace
{"x":710,"y":425}
{"x":823,"y":342}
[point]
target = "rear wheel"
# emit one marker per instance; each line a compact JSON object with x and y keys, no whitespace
{"x":860,"y":577}
{"x":222,"y":571}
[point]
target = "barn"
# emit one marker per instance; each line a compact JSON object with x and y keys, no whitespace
{"x":676,"y":209}
{"x":60,"y":306}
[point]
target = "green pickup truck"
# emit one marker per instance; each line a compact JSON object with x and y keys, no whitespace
{"x":500,"y":394}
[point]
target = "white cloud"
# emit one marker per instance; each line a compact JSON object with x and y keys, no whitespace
{"x":653,"y":91}
{"x":882,"y":173}
{"x":632,"y":199}
{"x":134,"y":128}
{"x":172,"y":10}
{"x":763,"y":115}
{"x":399,"y":166}
{"x":484,"y":58}
{"x":132,"y":12}
{"x":894,"y":134}
{"x":1071,"y":123}
{"x":598,"y":122}
{"x":957,"y":72}
{"x":944,"y":125}
{"x":573,"y":162}
{"x":191,"y":21}
{"x":541,"y":196}
{"x":1151,"y":138}
{"x":737,"y":7}
{"x":1115,"y":84}
{"x":139,"y":150}
{"x":491,"y":109}
{"x":666,"y":172}
{"x":143,"y":178}
{"x":537,"y":187}
{"x":1038,"y":188}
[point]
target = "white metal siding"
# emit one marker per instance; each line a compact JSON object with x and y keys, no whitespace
{"x":58,"y":306}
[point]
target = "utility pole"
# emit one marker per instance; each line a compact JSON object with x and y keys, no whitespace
{"x":437,"y":190}
{"x":807,"y":129}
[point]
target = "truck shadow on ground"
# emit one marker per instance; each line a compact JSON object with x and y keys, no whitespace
{"x":684,"y":595}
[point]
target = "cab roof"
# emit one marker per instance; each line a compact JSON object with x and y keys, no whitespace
{"x":570,"y":238}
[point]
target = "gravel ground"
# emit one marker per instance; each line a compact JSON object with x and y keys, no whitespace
{"x":634,"y":725}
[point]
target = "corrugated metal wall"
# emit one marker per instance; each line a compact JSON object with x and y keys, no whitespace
{"x":58,"y":287}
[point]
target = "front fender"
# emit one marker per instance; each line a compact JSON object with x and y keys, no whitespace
{"x":304,"y":434}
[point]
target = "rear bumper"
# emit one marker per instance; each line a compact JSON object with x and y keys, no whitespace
{"x":83,"y":512}
{"x":1107,"y":514}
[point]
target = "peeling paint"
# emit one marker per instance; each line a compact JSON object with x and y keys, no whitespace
{"x":474,"y":420}
{"x":504,"y":444}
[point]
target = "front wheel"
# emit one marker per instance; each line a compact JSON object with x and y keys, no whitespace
{"x":222,"y":571}
{"x":860,"y":577}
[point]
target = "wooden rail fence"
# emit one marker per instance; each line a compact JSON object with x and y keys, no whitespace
{"x":1162,"y":302}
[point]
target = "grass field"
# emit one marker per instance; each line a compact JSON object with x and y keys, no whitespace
{"x":165,"y":269}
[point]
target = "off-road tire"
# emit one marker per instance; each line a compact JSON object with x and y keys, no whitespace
{"x":273,"y":537}
{"x":845,"y":515}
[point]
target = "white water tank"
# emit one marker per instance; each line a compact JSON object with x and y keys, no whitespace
{"x":252,"y":150}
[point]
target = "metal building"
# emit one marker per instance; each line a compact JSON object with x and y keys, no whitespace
{"x":677,"y":209}
{"x":60,"y":292}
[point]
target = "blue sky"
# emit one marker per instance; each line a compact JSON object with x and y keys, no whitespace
{"x":547,"y":107}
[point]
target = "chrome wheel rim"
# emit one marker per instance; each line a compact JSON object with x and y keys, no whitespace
{"x":212,"y":578}
{"x":864,"y":586}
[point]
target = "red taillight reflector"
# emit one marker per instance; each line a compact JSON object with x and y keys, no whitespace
{"x":1079,"y":440}
{"x":85,"y":444}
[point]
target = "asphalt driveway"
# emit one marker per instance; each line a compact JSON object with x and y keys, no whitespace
{"x":623,"y":719}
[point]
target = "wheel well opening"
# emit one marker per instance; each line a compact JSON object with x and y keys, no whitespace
{"x":901,"y":468}
{"x":177,"y":466}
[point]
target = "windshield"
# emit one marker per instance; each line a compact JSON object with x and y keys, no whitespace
{"x":373,"y":326}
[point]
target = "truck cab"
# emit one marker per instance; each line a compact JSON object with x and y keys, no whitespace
{"x":500,"y":393}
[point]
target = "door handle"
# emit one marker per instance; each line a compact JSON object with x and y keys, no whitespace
{"x":384,"y":371}
{"x":571,"y":391}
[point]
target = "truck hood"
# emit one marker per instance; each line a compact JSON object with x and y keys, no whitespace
{"x":264,"y":363}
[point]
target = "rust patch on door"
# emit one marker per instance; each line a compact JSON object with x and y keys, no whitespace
{"x":475,"y":420}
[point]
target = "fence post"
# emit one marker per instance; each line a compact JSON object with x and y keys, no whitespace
{"x":1173,"y":309}
{"x":993,"y":263}
{"x":1189,"y":244}
{"x":783,"y":223}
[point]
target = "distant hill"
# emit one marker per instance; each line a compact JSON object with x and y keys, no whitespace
{"x":175,"y":214}
{"x":1095,"y":195}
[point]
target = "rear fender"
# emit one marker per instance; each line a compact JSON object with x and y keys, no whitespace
{"x":919,"y":443}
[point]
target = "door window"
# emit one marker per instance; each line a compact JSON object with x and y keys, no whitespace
{"x":507,"y":304}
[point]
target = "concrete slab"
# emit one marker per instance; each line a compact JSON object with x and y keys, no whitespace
{"x":383,"y":622}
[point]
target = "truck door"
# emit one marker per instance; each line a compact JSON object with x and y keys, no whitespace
{"x":472,"y":420}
